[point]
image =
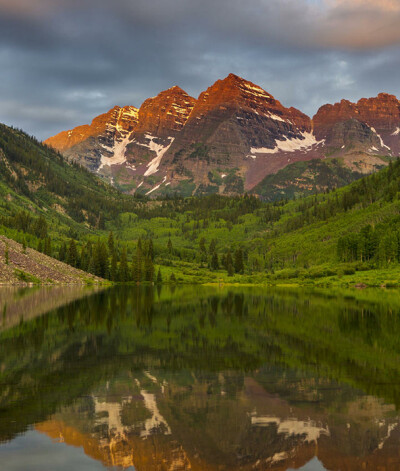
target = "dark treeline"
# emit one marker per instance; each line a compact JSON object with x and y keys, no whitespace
{"x":379,"y":246}
{"x":206,"y":207}
{"x":111,"y":261}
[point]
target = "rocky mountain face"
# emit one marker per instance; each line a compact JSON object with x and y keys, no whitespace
{"x":91,"y":145}
{"x":230,"y":134}
{"x":161,"y":119}
{"x":371,"y":124}
{"x":232,"y":139}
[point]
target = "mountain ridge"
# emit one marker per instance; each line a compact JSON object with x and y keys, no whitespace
{"x":230,"y":139}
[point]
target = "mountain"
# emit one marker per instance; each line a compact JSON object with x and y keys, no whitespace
{"x":92,"y":145}
{"x":225,"y":143}
{"x":380,"y":117}
{"x":235,"y":137}
{"x":126,"y":144}
{"x":160,"y":120}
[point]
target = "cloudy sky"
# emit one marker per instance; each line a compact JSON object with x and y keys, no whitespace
{"x":62,"y":62}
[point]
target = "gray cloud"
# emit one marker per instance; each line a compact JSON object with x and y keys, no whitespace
{"x":62,"y":61}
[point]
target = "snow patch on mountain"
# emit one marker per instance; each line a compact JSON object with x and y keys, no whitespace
{"x":254,"y":90}
{"x":159,"y":149}
{"x":307,"y":141}
{"x":397,"y":132}
{"x":118,"y":154}
{"x":275,"y":117}
{"x":156,"y":187}
{"x":380,"y":138}
{"x":131,"y":111}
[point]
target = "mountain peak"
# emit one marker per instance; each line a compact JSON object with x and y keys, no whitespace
{"x":235,"y":81}
{"x":166,"y":112}
{"x":117,"y":119}
{"x":380,"y":114}
{"x":233,"y":77}
{"x":175,"y":90}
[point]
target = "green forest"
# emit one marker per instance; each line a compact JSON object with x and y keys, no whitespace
{"x":344,"y":236}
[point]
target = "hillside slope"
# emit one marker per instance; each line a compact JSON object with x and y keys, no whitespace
{"x":19,"y":265}
{"x":38,"y":181}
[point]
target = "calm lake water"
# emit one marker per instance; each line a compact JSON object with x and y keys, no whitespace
{"x":197,"y":378}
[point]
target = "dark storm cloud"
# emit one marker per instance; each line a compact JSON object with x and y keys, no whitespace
{"x":62,"y":61}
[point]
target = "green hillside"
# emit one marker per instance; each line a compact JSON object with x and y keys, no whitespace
{"x":305,"y":178}
{"x":349,"y":235}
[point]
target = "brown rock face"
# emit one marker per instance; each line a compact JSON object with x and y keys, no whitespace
{"x":229,"y":140}
{"x":86,"y":144}
{"x":381,"y":114}
{"x":160,"y":119}
{"x":165,"y":114}
{"x":229,"y":119}
{"x":121,"y":119}
{"x":255,"y":114}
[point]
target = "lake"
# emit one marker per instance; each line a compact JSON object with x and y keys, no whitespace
{"x":199,"y":378}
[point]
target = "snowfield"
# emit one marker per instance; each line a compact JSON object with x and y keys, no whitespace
{"x":160,"y":150}
{"x":118,"y":151}
{"x":289,"y":145}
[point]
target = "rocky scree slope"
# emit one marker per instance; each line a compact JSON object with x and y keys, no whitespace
{"x":21,"y":266}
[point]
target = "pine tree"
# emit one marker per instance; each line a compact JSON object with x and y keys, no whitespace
{"x":159,"y":277}
{"x":202,"y":245}
{"x":238,"y":265}
{"x":92,"y":265}
{"x":111,"y":242}
{"x":148,"y":269}
{"x":40,"y":246}
{"x":172,"y":278}
{"x":113,"y":270}
{"x":123,"y":274}
{"x":229,"y":263}
{"x":213,"y":246}
{"x":101,"y":223}
{"x":100,"y":258}
{"x":62,"y":254}
{"x":137,"y":263}
{"x":40,"y":228}
{"x":47,"y":246}
{"x":72,"y":254}
{"x":150,"y":250}
{"x":169,"y":246}
{"x":83,"y":259}
{"x":214,"y":261}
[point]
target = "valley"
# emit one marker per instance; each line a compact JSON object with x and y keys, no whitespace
{"x":62,"y":210}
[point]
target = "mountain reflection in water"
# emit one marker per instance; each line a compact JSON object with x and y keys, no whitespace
{"x":200,"y":378}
